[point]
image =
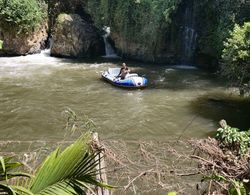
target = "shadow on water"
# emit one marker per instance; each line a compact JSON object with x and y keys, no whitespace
{"x":216,"y":106}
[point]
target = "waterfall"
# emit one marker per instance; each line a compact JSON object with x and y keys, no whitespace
{"x":189,"y":34}
{"x":109,"y":50}
{"x":189,"y":42}
{"x":50,"y":42}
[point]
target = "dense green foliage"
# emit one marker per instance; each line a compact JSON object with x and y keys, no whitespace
{"x":236,"y":56}
{"x":236,"y":144}
{"x":136,"y":20}
{"x":216,"y":19}
{"x":20,"y":15}
{"x":8,"y":167}
{"x":234,"y":139}
{"x":153,"y":22}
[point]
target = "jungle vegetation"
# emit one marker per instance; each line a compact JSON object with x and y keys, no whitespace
{"x":236,"y":57}
{"x":136,"y":20}
{"x":21,"y":16}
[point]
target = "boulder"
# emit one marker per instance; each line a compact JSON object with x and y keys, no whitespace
{"x":73,"y":36}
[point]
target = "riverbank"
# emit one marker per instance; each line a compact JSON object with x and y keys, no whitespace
{"x":134,"y":166}
{"x":142,"y":166}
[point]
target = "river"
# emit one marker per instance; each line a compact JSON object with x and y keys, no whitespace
{"x":35,"y":90}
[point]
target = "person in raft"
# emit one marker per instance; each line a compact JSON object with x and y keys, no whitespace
{"x":124,"y":71}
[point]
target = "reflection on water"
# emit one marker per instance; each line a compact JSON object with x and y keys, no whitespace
{"x":35,"y":90}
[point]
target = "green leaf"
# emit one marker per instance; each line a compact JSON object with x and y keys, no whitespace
{"x":2,"y":167}
{"x":68,"y":171}
{"x":1,"y":44}
{"x":12,"y":175}
{"x":22,"y":190}
{"x":59,"y":188}
{"x":11,"y":166}
{"x":7,"y":189}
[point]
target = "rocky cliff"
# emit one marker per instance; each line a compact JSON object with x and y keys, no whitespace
{"x":160,"y":31}
{"x":24,"y":43}
{"x":173,"y":42}
{"x":167,"y":31}
{"x":71,"y":29}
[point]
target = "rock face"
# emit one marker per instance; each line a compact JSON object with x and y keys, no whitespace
{"x":174,"y":44}
{"x":73,"y":34}
{"x":56,"y":7}
{"x":74,"y":37}
{"x":144,"y":34}
{"x":181,"y":31}
{"x":22,"y":44}
{"x":170,"y":32}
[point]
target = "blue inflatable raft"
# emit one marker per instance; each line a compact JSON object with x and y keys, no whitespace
{"x":130,"y":81}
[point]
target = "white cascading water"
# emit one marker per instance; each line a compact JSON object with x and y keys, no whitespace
{"x":39,"y":58}
{"x":109,"y":50}
{"x":189,"y":35}
{"x":24,"y":66}
{"x":189,"y":42}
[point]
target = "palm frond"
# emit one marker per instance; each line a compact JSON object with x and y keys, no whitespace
{"x":7,"y":189}
{"x":60,"y":188}
{"x":10,"y":166}
{"x":21,"y":190}
{"x":7,"y":167}
{"x":94,"y":182}
{"x":86,"y":166}
{"x":14,"y":174}
{"x":67,"y":172}
{"x":2,"y":165}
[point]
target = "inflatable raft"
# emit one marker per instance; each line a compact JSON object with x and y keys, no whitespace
{"x":130,"y":81}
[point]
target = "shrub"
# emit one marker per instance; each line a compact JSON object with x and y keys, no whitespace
{"x":234,"y":139}
{"x":236,"y":56}
{"x":21,"y":15}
